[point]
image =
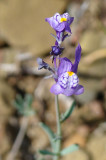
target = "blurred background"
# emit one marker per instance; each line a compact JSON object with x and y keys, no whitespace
{"x":24,"y":36}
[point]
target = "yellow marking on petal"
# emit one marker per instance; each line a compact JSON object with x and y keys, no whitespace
{"x":70,"y":73}
{"x":63,"y":19}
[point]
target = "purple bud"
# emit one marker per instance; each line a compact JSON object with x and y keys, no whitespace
{"x":56,"y":50}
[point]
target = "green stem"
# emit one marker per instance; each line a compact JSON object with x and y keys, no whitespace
{"x":58,"y":148}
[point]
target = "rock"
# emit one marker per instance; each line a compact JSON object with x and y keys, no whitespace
{"x":6,"y":99}
{"x":4,"y":138}
{"x":6,"y":95}
{"x":92,"y":40}
{"x":97,"y":146}
{"x":38,"y":137}
{"x":76,"y":139}
{"x":22,"y":23}
{"x":95,"y":9}
{"x":92,"y":69}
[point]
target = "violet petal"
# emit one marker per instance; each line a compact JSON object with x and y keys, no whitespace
{"x":68,"y":91}
{"x":77,"y":58}
{"x":56,"y":89}
{"x":67,"y":27}
{"x":71,"y":19}
{"x":79,"y":90}
{"x":65,"y":66}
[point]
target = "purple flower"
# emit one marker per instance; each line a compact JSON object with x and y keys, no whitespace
{"x":67,"y":82}
{"x":56,"y":50}
{"x":60,"y":23}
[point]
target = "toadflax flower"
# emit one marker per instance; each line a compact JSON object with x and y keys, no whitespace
{"x":60,"y":23}
{"x":67,"y":81}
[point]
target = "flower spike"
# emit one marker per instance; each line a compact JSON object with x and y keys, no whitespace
{"x":64,"y":71}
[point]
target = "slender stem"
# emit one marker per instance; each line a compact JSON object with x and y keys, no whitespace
{"x":58,"y":127}
{"x":15,"y":148}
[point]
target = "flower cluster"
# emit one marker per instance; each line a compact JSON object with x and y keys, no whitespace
{"x":64,"y":73}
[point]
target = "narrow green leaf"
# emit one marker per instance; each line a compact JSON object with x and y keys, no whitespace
{"x":19,"y":99}
{"x":69,"y":149}
{"x":46,"y":152}
{"x":23,"y":105}
{"x":16,"y":105}
{"x":50,"y":134}
{"x":28,"y":100}
{"x":66,"y":115}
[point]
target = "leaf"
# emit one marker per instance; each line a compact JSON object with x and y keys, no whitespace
{"x":23,"y":105}
{"x":66,"y":115}
{"x":28,"y":100}
{"x":69,"y":149}
{"x":19,"y":99}
{"x":17,"y":105}
{"x":46,"y":152}
{"x":50,"y":134}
